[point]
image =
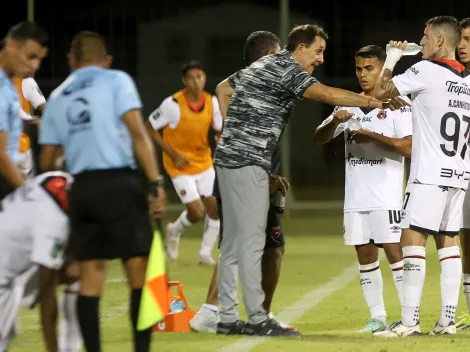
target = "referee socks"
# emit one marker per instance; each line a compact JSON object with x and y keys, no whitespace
{"x":141,"y":338}
{"x":88,"y":317}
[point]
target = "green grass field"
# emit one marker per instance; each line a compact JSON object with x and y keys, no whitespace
{"x":315,"y":255}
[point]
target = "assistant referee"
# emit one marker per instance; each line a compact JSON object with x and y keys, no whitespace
{"x":95,"y":116}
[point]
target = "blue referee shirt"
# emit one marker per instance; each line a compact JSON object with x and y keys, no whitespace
{"x":10,"y":121}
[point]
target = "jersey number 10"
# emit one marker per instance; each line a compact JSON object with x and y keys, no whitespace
{"x":454,"y":137}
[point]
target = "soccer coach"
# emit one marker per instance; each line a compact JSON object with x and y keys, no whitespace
{"x":95,"y":116}
{"x":259,"y":111}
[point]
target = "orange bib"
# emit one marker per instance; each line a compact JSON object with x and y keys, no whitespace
{"x":190,"y":137}
{"x":25,"y":142}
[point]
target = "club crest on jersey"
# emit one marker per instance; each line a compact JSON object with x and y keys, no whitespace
{"x":382,"y":114}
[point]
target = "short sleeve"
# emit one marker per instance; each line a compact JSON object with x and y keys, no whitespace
{"x":32,"y":93}
{"x":48,"y":132}
{"x":234,"y":79}
{"x":414,"y":80}
{"x":49,"y":242}
{"x":296,"y":80}
{"x":340,"y":128}
{"x":217,"y":119}
{"x":168,"y":113}
{"x":126,"y":95}
{"x":3,"y":112}
{"x":403,"y":122}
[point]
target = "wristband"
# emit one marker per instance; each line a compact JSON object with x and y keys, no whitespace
{"x":153,"y":186}
{"x":393,"y":55}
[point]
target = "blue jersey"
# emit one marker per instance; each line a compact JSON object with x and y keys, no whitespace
{"x":10,"y":121}
{"x":84,"y":116}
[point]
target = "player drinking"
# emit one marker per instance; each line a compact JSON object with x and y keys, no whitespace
{"x":440,"y":95}
{"x":258,"y":44}
{"x":259,"y":110}
{"x":375,"y":152}
{"x":33,"y":249}
{"x":186,"y":118}
{"x":464,"y":56}
{"x":95,"y":115}
{"x":21,"y":55}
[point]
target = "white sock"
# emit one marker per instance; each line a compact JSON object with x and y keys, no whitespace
{"x":372,"y":289}
{"x":451,"y":276}
{"x":414,"y":274}
{"x":466,"y":289}
{"x":397,"y":272}
{"x":70,"y":337}
{"x":182,"y":223}
{"x":210,"y":307}
{"x":210,"y":236}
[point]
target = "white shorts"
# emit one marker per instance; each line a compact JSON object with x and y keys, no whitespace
{"x":466,"y":211}
{"x":433,"y":209}
{"x":376,"y":226}
{"x":193,"y":187}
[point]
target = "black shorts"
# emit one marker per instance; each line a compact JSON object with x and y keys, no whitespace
{"x":109,"y":215}
{"x":5,"y":188}
{"x":274,"y":235}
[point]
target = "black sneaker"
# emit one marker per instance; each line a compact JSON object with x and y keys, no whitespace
{"x":268,"y":328}
{"x":236,"y":328}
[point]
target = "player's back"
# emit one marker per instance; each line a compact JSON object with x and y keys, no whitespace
{"x":86,"y":111}
{"x":28,"y":215}
{"x":440,"y":94}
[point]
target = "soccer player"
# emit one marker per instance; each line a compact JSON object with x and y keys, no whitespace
{"x":259,"y":110}
{"x":374,"y":182}
{"x":22,"y":53}
{"x":186,"y":118}
{"x":32,"y":248}
{"x":95,"y":115}
{"x":440,"y":170}
{"x":464,"y":56}
{"x":257,"y":45}
{"x":30,"y":96}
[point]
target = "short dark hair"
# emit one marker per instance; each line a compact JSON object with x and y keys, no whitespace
{"x":191,"y":65}
{"x":258,"y":44}
{"x":371,"y":51}
{"x":28,"y":30}
{"x":88,"y":46}
{"x":306,"y":34}
{"x":450,"y":24}
{"x":465,"y":23}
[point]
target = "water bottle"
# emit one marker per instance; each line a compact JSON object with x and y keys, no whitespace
{"x":177,"y":305}
{"x":278,"y":202}
{"x":411,"y":49}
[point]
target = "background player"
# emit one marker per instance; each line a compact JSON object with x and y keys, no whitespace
{"x":464,"y":56}
{"x":33,"y":247}
{"x":108,"y":203}
{"x":258,"y":44}
{"x":186,"y":118}
{"x":440,"y":168}
{"x":21,"y":55}
{"x":374,"y":182}
{"x":30,"y":97}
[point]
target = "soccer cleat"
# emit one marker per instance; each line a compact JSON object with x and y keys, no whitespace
{"x":373,"y":325}
{"x":172,"y":241}
{"x":450,"y":329}
{"x":464,"y":322}
{"x":205,"y":320}
{"x":398,"y":330}
{"x":206,"y":259}
{"x":236,"y":328}
{"x":285,"y":326}
{"x":269,"y":328}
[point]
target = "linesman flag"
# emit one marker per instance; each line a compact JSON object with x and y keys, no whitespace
{"x":154,"y":304}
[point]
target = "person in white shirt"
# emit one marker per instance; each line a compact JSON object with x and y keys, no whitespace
{"x":186,"y":118}
{"x":440,"y":168}
{"x":376,"y":144}
{"x":32,"y":251}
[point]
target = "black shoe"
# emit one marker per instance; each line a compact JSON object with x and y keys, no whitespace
{"x":236,"y":328}
{"x":268,"y":328}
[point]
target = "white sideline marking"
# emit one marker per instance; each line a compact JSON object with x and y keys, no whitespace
{"x":301,"y":307}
